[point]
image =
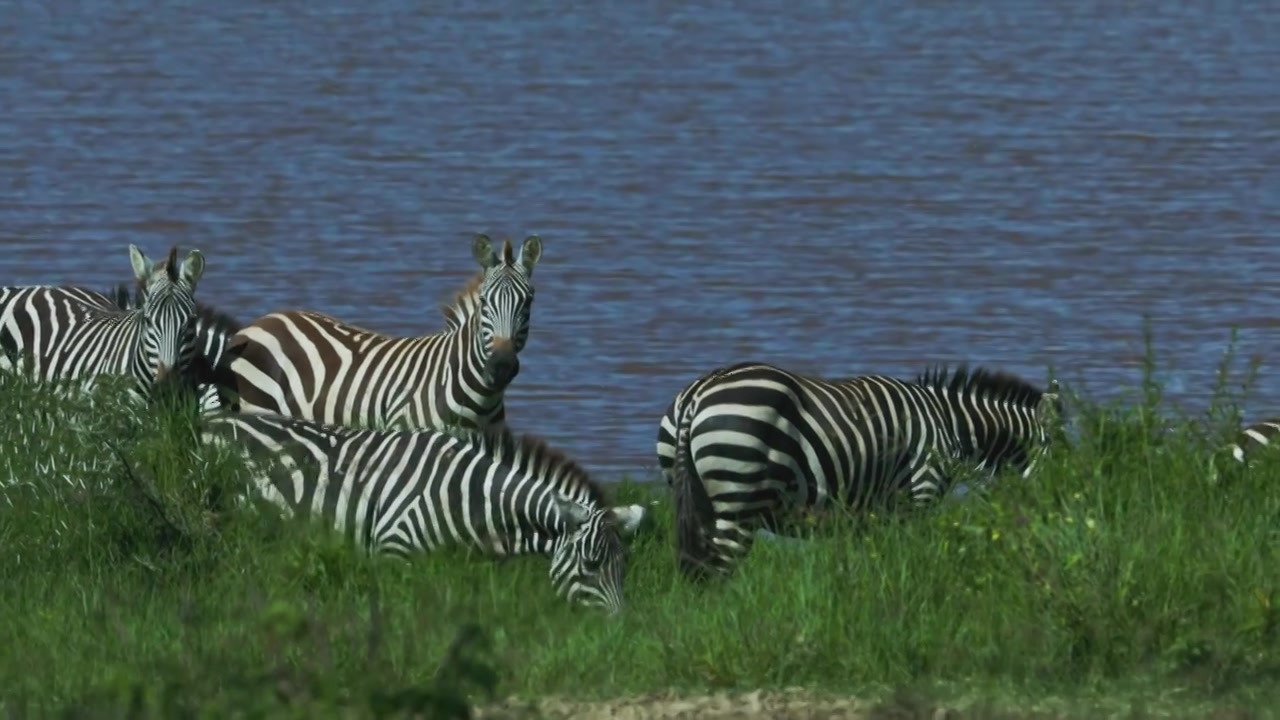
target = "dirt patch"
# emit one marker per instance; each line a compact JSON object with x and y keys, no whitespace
{"x":795,"y":704}
{"x":783,"y":705}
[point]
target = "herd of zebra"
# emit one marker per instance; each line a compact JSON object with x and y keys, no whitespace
{"x":403,"y":444}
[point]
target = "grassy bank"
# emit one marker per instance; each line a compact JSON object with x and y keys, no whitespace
{"x":1121,"y":581}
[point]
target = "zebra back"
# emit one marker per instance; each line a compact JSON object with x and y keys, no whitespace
{"x":399,"y":491}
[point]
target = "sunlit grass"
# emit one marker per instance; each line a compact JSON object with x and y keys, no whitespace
{"x":1120,"y":575}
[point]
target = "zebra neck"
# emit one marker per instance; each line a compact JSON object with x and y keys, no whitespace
{"x":536,"y":523}
{"x":136,"y":361}
{"x":485,"y":395}
{"x":534,"y":543}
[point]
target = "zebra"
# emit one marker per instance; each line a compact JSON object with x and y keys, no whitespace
{"x":75,"y":333}
{"x":1253,"y":440}
{"x":212,"y":330}
{"x":396,"y":492}
{"x":743,"y":443}
{"x":314,"y":366}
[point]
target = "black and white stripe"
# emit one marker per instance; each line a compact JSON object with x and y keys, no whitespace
{"x":212,"y":331}
{"x":397,"y":492}
{"x":313,"y":366}
{"x":1249,"y":445}
{"x":743,"y":444}
{"x":74,"y":333}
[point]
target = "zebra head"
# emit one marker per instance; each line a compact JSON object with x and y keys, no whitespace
{"x":506,"y":300}
{"x":168,"y":310}
{"x":1048,"y":428}
{"x":589,"y":559}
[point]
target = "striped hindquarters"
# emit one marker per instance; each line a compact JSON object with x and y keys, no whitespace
{"x":783,"y":425}
{"x":398,"y":492}
{"x":753,"y":440}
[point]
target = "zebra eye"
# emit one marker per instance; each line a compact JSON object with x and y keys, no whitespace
{"x":592,"y":565}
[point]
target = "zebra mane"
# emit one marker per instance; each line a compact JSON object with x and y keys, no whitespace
{"x":121,"y":297}
{"x":170,"y":264}
{"x":464,"y":304}
{"x":531,"y":453}
{"x":989,"y":384}
{"x":217,"y":319}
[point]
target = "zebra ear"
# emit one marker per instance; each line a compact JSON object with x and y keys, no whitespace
{"x":482,"y":251}
{"x":530,"y":253}
{"x":141,"y":265}
{"x":629,"y":518}
{"x":573,"y":514}
{"x":193,"y":267}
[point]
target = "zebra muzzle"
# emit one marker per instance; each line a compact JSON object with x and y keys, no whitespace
{"x":502,"y":366}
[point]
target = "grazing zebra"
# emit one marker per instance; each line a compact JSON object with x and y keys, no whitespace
{"x":73,"y":333}
{"x":1253,"y":440}
{"x":313,"y":366}
{"x":212,"y":330}
{"x":744,"y":443}
{"x":399,"y":491}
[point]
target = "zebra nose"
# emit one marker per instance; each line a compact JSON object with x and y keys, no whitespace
{"x":503,"y":364}
{"x":162,"y":372}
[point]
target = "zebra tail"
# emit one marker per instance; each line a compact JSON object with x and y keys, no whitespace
{"x":692,"y":506}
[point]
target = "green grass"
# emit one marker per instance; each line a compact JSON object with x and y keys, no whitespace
{"x":1120,"y":582}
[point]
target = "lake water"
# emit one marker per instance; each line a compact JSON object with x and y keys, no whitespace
{"x":840,"y":188}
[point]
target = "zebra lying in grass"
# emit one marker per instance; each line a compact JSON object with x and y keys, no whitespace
{"x":400,"y":491}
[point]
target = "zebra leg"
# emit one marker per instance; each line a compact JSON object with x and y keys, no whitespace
{"x":791,"y":525}
{"x":739,"y":520}
{"x":732,"y":542}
